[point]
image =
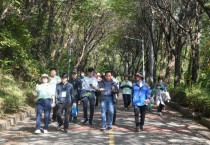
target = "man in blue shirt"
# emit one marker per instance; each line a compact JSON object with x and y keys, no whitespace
{"x":141,"y":93}
{"x":109,"y":89}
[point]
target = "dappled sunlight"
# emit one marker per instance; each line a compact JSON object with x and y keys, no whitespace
{"x":167,"y":129}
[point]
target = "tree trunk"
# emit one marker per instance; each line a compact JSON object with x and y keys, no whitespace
{"x":195,"y":48}
{"x":179,"y":44}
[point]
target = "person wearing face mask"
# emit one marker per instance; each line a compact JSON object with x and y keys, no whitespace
{"x":140,"y":95}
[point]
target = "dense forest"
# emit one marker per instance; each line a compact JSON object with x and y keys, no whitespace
{"x":157,"y":37}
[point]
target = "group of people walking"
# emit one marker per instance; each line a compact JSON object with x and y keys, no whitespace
{"x":62,"y":94}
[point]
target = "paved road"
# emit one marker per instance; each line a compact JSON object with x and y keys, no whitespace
{"x":171,"y":128}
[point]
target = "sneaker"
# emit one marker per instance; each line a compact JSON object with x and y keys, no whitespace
{"x":45,"y":131}
{"x":109,"y":128}
{"x":66,"y":131}
{"x":137,"y":129}
{"x":102,"y":129}
{"x":38,"y":131}
{"x":160,"y":114}
{"x":75,"y":120}
{"x":60,"y":127}
{"x":141,"y":128}
{"x":126,"y":109}
{"x":85,"y":121}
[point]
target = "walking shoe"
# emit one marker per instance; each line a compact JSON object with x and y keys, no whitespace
{"x":66,"y":131}
{"x":38,"y":131}
{"x":85,"y":121}
{"x":102,"y":129}
{"x":60,"y":127}
{"x":45,"y":131}
{"x":90,"y":123}
{"x":109,"y":128}
{"x":137,"y":129}
{"x":75,"y":120}
{"x":54,"y":120}
{"x":141,"y":128}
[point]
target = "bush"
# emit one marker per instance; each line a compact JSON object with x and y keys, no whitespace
{"x":179,"y":95}
{"x":194,"y":97}
{"x":11,"y":104}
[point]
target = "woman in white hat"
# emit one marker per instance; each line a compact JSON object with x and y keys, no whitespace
{"x":44,"y":102}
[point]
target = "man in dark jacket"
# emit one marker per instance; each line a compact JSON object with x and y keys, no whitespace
{"x":77,"y":85}
{"x":64,"y":99}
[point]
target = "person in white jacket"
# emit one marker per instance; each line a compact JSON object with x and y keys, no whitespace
{"x":160,"y":98}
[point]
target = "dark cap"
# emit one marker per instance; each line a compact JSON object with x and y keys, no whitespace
{"x":74,"y":72}
{"x":139,"y":74}
{"x":64,"y":75}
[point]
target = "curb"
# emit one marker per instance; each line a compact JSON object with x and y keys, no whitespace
{"x":190,"y":114}
{"x":11,"y":121}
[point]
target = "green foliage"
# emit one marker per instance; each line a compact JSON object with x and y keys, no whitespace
{"x":195,"y":97}
{"x":12,"y":94}
{"x":11,"y":104}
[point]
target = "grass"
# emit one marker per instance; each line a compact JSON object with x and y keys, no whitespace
{"x":13,"y":96}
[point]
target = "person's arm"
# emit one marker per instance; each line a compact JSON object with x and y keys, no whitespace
{"x":95,"y":85}
{"x":56,"y":94}
{"x":122,"y":85}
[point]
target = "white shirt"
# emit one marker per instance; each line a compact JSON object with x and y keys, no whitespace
{"x":87,"y":81}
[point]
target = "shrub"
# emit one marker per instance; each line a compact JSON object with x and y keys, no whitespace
{"x":194,"y":97}
{"x":11,"y":104}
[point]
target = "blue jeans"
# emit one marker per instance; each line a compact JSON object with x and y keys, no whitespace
{"x":43,"y":105}
{"x":107,"y":103}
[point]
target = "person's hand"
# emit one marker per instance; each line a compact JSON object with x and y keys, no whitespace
{"x":101,"y":89}
{"x":113,"y":89}
{"x":53,"y":105}
{"x":146,"y":102}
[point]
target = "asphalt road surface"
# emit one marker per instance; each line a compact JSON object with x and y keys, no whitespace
{"x":170,"y":128}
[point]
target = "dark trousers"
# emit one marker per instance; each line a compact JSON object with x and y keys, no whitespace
{"x":115,"y":114}
{"x":54,"y":114}
{"x":60,"y":109}
{"x":97,"y":94}
{"x":160,"y":107}
{"x":126,"y":100}
{"x":91,"y":100}
{"x":139,"y":112}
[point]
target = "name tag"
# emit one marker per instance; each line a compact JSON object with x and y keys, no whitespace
{"x":63,"y":94}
